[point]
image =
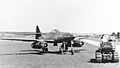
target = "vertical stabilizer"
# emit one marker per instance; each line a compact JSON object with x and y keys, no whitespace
{"x":38,"y":33}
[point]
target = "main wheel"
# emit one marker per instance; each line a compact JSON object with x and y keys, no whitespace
{"x":46,"y":49}
{"x":61,"y":51}
{"x":43,"y":50}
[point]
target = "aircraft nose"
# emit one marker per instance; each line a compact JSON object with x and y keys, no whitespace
{"x":71,"y":36}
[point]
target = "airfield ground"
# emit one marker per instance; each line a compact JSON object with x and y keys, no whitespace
{"x":20,"y":55}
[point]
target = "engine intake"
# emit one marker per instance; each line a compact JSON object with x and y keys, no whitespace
{"x":39,"y":45}
{"x":36,"y":45}
{"x":78,"y":43}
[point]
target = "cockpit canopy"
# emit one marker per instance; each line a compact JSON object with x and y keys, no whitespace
{"x":55,"y":31}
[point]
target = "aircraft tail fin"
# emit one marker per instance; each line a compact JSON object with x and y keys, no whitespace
{"x":38,"y":33}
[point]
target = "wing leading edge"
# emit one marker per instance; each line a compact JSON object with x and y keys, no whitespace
{"x":25,"y":40}
{"x":29,"y":40}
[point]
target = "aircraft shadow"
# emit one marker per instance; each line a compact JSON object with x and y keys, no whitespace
{"x":24,"y":53}
{"x":53,"y":52}
{"x":93,"y":60}
{"x":79,"y":50}
{"x":41,"y":52}
{"x":38,"y":52}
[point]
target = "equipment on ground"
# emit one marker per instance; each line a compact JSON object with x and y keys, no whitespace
{"x":106,"y":52}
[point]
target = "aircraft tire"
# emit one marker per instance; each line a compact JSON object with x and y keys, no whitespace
{"x":46,"y":49}
{"x":61,"y":51}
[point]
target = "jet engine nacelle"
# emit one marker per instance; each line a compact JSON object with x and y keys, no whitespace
{"x":78,"y":43}
{"x":38,"y":45}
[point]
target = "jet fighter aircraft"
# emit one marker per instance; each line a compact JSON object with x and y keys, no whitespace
{"x":42,"y":39}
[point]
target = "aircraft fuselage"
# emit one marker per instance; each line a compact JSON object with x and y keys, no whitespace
{"x":58,"y":37}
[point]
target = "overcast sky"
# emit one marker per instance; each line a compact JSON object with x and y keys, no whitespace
{"x":81,"y":16}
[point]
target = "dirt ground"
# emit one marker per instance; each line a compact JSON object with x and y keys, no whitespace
{"x":14,"y":54}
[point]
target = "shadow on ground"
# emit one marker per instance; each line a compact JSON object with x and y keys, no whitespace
{"x":38,"y":52}
{"x":93,"y":60}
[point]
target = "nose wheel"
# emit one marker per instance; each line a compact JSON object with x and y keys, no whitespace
{"x":61,"y":51}
{"x":45,"y":50}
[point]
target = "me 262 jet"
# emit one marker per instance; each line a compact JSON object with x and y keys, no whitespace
{"x":42,"y":39}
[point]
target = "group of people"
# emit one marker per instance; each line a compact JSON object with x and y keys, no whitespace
{"x":108,"y":38}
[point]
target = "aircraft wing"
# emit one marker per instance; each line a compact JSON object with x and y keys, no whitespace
{"x":25,"y":40}
{"x":50,"y":41}
{"x":79,"y":38}
{"x":96,"y":43}
{"x":28,"y":40}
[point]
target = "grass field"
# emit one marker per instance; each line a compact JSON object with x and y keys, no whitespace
{"x":15,"y":54}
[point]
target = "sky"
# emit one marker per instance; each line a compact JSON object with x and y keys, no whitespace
{"x":77,"y":16}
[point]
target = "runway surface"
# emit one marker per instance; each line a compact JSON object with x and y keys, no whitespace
{"x":14,"y":54}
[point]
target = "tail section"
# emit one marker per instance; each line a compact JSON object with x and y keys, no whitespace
{"x":38,"y":33}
